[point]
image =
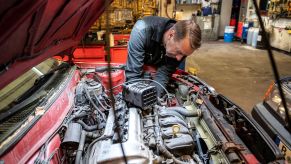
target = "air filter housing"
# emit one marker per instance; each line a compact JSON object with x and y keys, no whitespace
{"x":140,"y":94}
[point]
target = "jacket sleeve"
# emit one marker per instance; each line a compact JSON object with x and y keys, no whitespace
{"x":136,"y":52}
{"x":164,"y":72}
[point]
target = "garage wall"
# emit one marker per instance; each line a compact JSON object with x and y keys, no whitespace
{"x":225,"y":15}
{"x":186,"y":8}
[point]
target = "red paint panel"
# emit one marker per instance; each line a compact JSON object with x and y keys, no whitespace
{"x":34,"y":28}
{"x":177,"y":78}
{"x":51,"y":10}
{"x":96,"y":52}
{"x":53,"y":148}
{"x":120,"y":37}
{"x":14,"y":44}
{"x":250,"y":159}
{"x":118,"y":54}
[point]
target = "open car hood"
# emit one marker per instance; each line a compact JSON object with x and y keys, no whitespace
{"x":34,"y":30}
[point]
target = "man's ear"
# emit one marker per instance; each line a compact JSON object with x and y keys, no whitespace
{"x":172,"y":33}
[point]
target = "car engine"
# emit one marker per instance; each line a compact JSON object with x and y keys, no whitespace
{"x":136,"y":126}
{"x":148,"y":131}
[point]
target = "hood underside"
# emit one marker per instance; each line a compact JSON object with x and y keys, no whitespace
{"x":34,"y":30}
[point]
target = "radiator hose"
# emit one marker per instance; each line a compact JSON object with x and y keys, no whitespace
{"x":82,"y":143}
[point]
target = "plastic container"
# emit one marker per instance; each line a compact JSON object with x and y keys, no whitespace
{"x":232,"y":22}
{"x":250,"y":36}
{"x":228,"y":34}
{"x":255,"y":37}
{"x":251,"y":24}
{"x":260,"y":42}
{"x":245,"y":31}
{"x":239,"y":29}
{"x":229,"y":29}
{"x":206,"y":11}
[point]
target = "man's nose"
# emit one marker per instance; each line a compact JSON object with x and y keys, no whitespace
{"x":179,"y":57}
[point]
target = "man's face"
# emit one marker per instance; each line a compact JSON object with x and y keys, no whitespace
{"x":178,"y":49}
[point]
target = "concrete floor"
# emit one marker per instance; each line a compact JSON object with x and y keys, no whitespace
{"x":237,"y":71}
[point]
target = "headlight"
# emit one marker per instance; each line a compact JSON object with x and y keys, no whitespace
{"x":281,"y":110}
{"x":273,"y":99}
{"x":276,"y":99}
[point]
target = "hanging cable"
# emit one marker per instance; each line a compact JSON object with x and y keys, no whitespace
{"x":273,"y":64}
{"x":110,"y":80}
{"x":102,"y":105}
{"x":93,"y":104}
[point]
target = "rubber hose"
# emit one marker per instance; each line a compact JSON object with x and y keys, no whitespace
{"x":82,"y":114}
{"x":184,"y":111}
{"x":169,"y":112}
{"x":80,"y":147}
{"x":86,"y":127}
{"x":169,"y":155}
{"x":92,"y":135}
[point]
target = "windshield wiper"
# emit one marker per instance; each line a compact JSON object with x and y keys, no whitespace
{"x":34,"y":94}
{"x":273,"y":64}
{"x":40,"y":81}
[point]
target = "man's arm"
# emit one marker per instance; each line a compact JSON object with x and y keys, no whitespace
{"x":164,"y":72}
{"x":136,"y":52}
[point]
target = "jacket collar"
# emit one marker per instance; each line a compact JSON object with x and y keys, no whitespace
{"x":160,"y":30}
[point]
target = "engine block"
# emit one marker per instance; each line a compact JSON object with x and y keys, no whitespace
{"x":147,"y":132}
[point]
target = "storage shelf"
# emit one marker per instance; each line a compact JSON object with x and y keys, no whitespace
{"x":192,"y":4}
{"x":188,"y":4}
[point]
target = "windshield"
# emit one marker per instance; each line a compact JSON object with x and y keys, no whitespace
{"x":11,"y":94}
{"x":21,"y":99}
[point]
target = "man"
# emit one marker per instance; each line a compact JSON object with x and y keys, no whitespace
{"x":163,"y":43}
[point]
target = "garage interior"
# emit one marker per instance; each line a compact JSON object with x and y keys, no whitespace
{"x":236,"y":68}
{"x":65,"y":96}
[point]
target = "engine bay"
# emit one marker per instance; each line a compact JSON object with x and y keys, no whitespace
{"x":190,"y":124}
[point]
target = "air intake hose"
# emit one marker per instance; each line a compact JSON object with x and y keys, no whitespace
{"x":184,"y":112}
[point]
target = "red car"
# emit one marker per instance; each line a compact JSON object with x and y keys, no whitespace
{"x":54,"y":111}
